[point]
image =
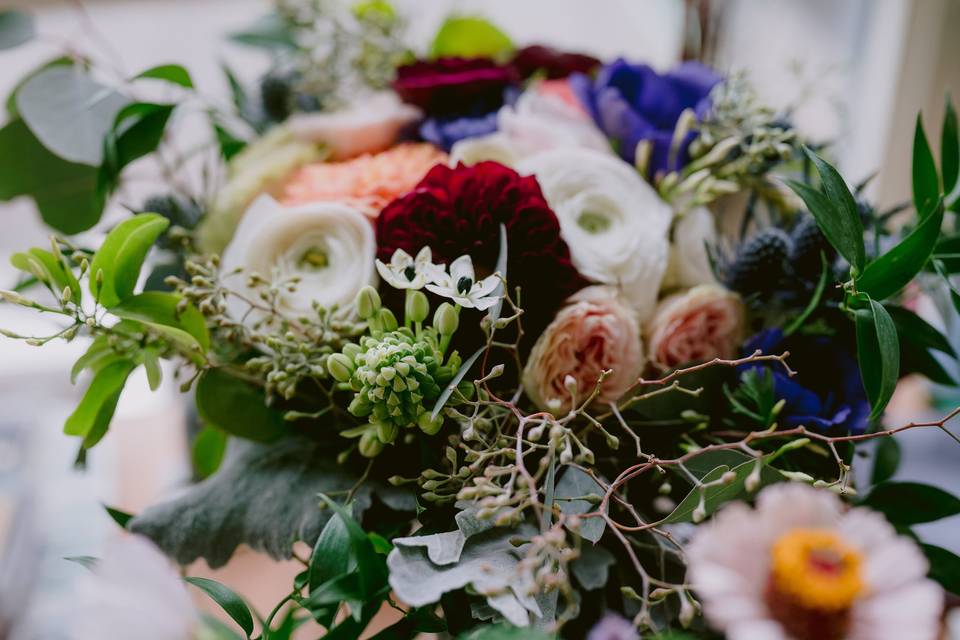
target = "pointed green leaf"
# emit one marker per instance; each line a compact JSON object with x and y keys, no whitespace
{"x":235,"y":406}
{"x":45,"y":266}
{"x":909,"y":503}
{"x":918,"y":330}
{"x":228,"y":600}
{"x":159,"y":310}
{"x":950,"y":148}
{"x":886,"y":459}
{"x":118,"y":516}
{"x":16,"y":28}
{"x":331,"y":554}
{"x":120,"y":257}
{"x":944,"y":567}
{"x":926,"y":184}
{"x":92,"y":416}
{"x":371,"y":567}
{"x":878,"y":350}
{"x":209,"y":447}
{"x":170,"y":72}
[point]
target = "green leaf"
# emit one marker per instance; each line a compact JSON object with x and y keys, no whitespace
{"x":418,"y":621}
{"x":331,"y":554}
{"x":470,"y":37}
{"x":91,"y":419}
{"x":87,"y":562}
{"x":926,"y":184}
{"x":504,"y":632}
{"x":159,"y":311}
{"x":207,"y":452}
{"x":16,"y":28}
{"x":944,"y":567}
{"x":452,"y":386}
{"x":269,"y":32}
{"x":797,"y":322}
{"x":573,"y":484}
{"x":950,"y":148}
{"x":48,"y":269}
{"x":371,"y":567}
{"x":151,"y":363}
{"x":237,"y":407}
{"x":121,"y":255}
{"x":66,"y":193}
{"x":878,"y":350}
{"x":170,"y":72}
{"x":915,"y":359}
{"x":909,"y":503}
{"x":892,"y":271}
{"x":137,"y":132}
{"x":835,"y":211}
{"x":886,"y":459}
{"x":228,"y":600}
{"x":919,"y":331}
{"x":716,"y":496}
{"x":70,"y":112}
{"x":118,"y":516}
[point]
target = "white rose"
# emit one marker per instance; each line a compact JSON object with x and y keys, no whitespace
{"x":366,"y":126}
{"x":330,"y":246}
{"x":689,"y":263}
{"x":536,"y":122}
{"x":614,"y":222}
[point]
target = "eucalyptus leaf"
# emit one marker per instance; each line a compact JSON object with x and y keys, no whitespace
{"x":909,"y":503}
{"x":91,"y":419}
{"x":228,"y":600}
{"x":716,"y":496}
{"x":237,"y":407}
{"x":70,"y":112}
{"x":264,"y":496}
{"x":592,"y":567}
{"x":16,"y":28}
{"x":575,"y":483}
{"x":116,"y":265}
{"x":470,"y":37}
{"x":878,"y":352}
{"x":926,"y":183}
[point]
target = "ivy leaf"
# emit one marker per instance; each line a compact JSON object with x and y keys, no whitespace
{"x":892,"y":271}
{"x":926,"y":184}
{"x":204,"y":520}
{"x":909,"y":503}
{"x":835,"y":211}
{"x":575,"y":483}
{"x":944,"y":567}
{"x":950,"y":148}
{"x":878,"y":350}
{"x":16,"y":28}
{"x":228,"y":600}
{"x":91,"y":419}
{"x":70,"y":112}
{"x":66,"y":193}
{"x":170,"y":72}
{"x":237,"y":407}
{"x":159,"y":311}
{"x":470,"y":37}
{"x":452,"y":386}
{"x":209,"y":447}
{"x":120,"y":257}
{"x":886,"y":459}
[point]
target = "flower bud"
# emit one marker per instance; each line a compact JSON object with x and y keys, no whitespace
{"x":370,"y":445}
{"x":368,"y":302}
{"x":387,"y":432}
{"x":429,"y":426}
{"x":351,"y":350}
{"x":340,"y":367}
{"x":446,"y":320}
{"x":387,"y":320}
{"x":417,"y":307}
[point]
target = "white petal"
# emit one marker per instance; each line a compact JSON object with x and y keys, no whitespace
{"x":485,"y":286}
{"x":401,"y":259}
{"x":462,"y":267}
{"x":424,"y":256}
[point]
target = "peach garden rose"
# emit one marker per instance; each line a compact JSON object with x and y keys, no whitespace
{"x":595,"y":332}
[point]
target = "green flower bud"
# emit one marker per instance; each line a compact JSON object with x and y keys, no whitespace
{"x":352,"y":350}
{"x":340,"y":367}
{"x":368,"y":302}
{"x":387,"y":432}
{"x":446,"y":320}
{"x":370,"y":445}
{"x":428,"y":426}
{"x":417,"y":307}
{"x":387,"y":320}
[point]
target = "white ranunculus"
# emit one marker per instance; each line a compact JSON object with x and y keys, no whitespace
{"x":536,"y":122}
{"x":133,"y":592}
{"x":330,"y":246}
{"x":371,"y":124}
{"x":614,"y":222}
{"x":689,"y":263}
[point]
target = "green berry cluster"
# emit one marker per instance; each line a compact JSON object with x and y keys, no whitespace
{"x":396,"y":373}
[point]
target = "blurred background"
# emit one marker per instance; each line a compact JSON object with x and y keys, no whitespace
{"x":858,"y":71}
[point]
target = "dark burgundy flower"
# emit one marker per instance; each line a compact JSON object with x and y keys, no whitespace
{"x":457,"y":211}
{"x":553,"y":62}
{"x":454,"y":86}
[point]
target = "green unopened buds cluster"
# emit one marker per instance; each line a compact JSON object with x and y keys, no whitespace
{"x":396,"y":373}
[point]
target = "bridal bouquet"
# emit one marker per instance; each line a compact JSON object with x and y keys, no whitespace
{"x":520,"y":343}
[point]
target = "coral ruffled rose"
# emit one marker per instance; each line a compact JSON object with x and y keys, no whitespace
{"x":596,"y":332}
{"x":700,"y":324}
{"x":368,"y":182}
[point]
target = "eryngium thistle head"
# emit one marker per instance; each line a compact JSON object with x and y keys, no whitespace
{"x":397,"y":378}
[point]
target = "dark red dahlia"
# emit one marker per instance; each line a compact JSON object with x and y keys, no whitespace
{"x":457,"y":211}
{"x":555,"y":63}
{"x":454,"y":86}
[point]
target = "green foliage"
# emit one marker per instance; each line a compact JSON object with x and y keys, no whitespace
{"x":926,"y":184}
{"x":209,"y":447}
{"x":170,"y":72}
{"x":909,"y":503}
{"x":237,"y":407}
{"x":885,"y":461}
{"x":950,"y":148}
{"x":878,"y":352}
{"x":470,"y":37}
{"x":169,"y":315}
{"x":16,"y":28}
{"x":49,"y":269}
{"x":91,"y":419}
{"x":269,"y":32}
{"x":754,"y":397}
{"x":116,"y":264}
{"x":575,"y":483}
{"x":454,"y":384}
{"x":505,"y":632}
{"x":229,"y":601}
{"x":944,"y":567}
{"x":702,"y":501}
{"x":136,"y":132}
{"x":331,"y":554}
{"x":118,"y":516}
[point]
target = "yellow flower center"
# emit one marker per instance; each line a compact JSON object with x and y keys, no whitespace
{"x":816,"y":569}
{"x":314,"y":258}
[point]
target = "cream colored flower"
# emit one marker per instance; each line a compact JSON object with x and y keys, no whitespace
{"x":614,"y":222}
{"x":697,"y":325}
{"x":329,"y":246}
{"x":596,"y":332}
{"x":689,"y":263}
{"x":461,"y":285}
{"x":406,"y":272}
{"x":802,"y":567}
{"x":369,"y":125}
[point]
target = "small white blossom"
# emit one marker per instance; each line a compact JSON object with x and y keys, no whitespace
{"x":406,"y":272}
{"x":461,"y":285}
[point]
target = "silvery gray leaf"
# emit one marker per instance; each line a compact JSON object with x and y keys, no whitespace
{"x":573,"y":484}
{"x":592,"y":568}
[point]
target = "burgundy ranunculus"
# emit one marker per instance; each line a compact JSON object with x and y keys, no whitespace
{"x":457,"y":211}
{"x":555,"y":63}
{"x":454,"y":86}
